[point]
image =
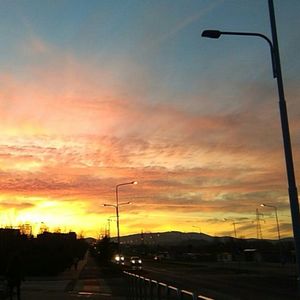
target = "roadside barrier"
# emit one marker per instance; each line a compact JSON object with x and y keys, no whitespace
{"x":141,"y":288}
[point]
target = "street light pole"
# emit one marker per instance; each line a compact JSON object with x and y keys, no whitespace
{"x":292,"y":188}
{"x":117,"y":215}
{"x":117,"y":208}
{"x":278,"y":229}
{"x":108,"y":228}
{"x":215,"y":34}
{"x":276,"y":217}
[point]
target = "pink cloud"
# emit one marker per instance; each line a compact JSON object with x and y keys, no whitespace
{"x":73,"y":130}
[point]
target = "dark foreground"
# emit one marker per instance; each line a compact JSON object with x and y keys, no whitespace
{"x":88,"y":281}
{"x":230,"y":281}
{"x":215,"y":280}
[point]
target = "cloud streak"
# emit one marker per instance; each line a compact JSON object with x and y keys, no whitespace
{"x":75,"y":126}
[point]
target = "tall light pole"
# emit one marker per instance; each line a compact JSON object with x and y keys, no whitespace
{"x":292,"y":188}
{"x":258,"y":227}
{"x":117,"y":216}
{"x":117,"y":205}
{"x":276,"y":216}
{"x":278,"y":229}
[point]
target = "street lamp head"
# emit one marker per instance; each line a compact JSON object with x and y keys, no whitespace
{"x":105,"y":204}
{"x":268,"y":205}
{"x":124,"y":203}
{"x":213,"y":34}
{"x":125,"y":183}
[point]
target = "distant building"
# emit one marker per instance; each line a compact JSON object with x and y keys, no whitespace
{"x":252,"y":255}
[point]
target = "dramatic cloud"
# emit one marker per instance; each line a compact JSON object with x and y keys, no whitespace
{"x":93,"y":106}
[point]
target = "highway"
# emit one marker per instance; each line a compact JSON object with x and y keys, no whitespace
{"x":225,"y":281}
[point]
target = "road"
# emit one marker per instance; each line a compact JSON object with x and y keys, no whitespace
{"x":226,"y":281}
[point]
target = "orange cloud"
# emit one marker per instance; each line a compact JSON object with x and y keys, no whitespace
{"x":72,"y":130}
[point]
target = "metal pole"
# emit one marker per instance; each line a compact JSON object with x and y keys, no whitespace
{"x":234,"y":228}
{"x":108,"y":231}
{"x":117,"y":213}
{"x":277,"y":222}
{"x":293,"y":193}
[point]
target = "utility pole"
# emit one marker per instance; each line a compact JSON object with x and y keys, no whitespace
{"x":258,"y":226}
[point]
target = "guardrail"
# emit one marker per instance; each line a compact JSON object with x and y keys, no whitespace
{"x":141,"y":288}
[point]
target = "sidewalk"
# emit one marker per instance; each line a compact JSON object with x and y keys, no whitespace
{"x":87,"y":282}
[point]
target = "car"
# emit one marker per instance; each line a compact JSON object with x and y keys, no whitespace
{"x":136,"y":262}
{"x":119,"y":259}
{"x":161,"y":256}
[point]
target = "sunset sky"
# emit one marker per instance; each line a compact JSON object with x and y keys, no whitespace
{"x":97,"y":93}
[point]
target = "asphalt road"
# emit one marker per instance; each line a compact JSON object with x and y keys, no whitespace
{"x":245,"y":281}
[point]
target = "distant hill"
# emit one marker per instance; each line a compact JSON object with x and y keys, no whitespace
{"x":176,"y":238}
{"x":165,"y":238}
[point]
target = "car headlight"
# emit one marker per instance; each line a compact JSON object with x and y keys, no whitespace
{"x":140,"y":261}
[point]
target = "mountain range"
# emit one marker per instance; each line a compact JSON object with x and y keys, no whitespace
{"x":167,"y":238}
{"x":170,"y":238}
